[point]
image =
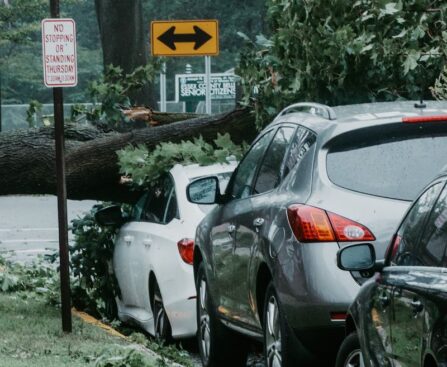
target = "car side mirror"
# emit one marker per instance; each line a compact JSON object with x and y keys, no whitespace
{"x":359,"y":257}
{"x":204,"y":191}
{"x":110,"y":216}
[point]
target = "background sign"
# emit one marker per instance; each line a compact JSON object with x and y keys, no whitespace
{"x":192,"y":87}
{"x":59,"y":53}
{"x":185,"y":38}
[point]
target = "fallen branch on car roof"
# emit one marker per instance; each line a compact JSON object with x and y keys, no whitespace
{"x":27,"y":157}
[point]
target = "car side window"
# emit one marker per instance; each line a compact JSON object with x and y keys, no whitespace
{"x":241,"y":184}
{"x":432,"y":250}
{"x":157,"y":203}
{"x":172,"y":209}
{"x":300,"y":145}
{"x":411,"y":229}
{"x":138,"y":207}
{"x":269,"y":175}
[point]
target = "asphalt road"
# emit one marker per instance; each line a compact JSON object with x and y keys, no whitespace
{"x":28,"y":225}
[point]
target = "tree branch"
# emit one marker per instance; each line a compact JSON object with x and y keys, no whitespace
{"x":27,"y":157}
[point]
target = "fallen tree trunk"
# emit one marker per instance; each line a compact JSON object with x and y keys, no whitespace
{"x":27,"y":158}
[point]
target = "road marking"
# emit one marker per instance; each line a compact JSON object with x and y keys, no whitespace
{"x":26,"y":229}
{"x":30,"y":251}
{"x":2,"y":242}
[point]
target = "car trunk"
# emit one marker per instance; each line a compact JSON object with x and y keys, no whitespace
{"x":371,"y":175}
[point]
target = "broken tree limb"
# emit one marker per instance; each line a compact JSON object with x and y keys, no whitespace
{"x":27,"y":163}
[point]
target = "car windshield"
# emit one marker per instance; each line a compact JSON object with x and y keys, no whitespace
{"x":397,"y":168}
{"x":224,"y":178}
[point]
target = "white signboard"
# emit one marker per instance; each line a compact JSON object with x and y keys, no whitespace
{"x":59,"y":52}
{"x":192,"y":87}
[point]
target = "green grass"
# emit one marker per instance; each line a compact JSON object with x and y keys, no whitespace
{"x":31,"y":335}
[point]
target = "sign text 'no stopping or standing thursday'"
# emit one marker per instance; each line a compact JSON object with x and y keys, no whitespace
{"x":59,"y":52}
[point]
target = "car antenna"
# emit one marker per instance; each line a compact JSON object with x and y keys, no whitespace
{"x":421,"y":103}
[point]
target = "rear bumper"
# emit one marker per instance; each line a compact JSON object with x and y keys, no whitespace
{"x":182,"y":315}
{"x":311,"y":286}
{"x":321,"y":343}
{"x":318,"y":335}
{"x":311,"y":289}
{"x":179,"y":298}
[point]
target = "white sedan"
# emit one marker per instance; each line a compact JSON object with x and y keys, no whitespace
{"x":154,"y":253}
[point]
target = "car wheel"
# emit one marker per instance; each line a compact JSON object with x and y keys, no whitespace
{"x":161,"y":322}
{"x":218,"y":346}
{"x":350,"y":354}
{"x":278,"y":344}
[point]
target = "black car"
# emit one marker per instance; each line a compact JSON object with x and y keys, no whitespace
{"x":399,"y":318}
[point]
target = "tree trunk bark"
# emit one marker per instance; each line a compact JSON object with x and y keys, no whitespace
{"x":27,"y":158}
{"x":124,"y":41}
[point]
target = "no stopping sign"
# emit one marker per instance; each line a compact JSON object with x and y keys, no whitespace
{"x":59,"y":53}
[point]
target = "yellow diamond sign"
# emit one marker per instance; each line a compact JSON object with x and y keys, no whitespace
{"x":185,"y":38}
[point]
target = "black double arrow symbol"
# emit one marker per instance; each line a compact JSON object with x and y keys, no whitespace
{"x":170,"y":38}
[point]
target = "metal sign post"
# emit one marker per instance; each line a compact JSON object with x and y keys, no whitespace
{"x":62,"y":209}
{"x":163,"y":88}
{"x":208,"y":85}
{"x":60,"y":70}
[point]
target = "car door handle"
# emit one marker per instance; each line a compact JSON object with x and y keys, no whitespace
{"x":258,"y":222}
{"x":231,"y":228}
{"x":128,"y":240}
{"x":417,"y":306}
{"x":147,"y":242}
{"x":384,"y":300}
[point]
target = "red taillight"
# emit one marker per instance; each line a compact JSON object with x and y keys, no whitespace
{"x":310,"y":224}
{"x":347,"y":230}
{"x":395,"y":246}
{"x":417,"y":119}
{"x":338,"y":316}
{"x":186,"y":250}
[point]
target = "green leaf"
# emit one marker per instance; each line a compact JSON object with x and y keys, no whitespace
{"x":224,"y":141}
{"x":401,"y":34}
{"x":366,"y":48}
{"x":263,"y":41}
{"x":296,"y":84}
{"x":390,"y":9}
{"x":411,"y":62}
{"x":244,"y":37}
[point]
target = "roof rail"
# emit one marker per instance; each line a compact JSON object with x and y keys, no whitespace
{"x":313,"y":108}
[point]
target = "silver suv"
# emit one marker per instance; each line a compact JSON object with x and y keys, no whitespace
{"x":316,"y":179}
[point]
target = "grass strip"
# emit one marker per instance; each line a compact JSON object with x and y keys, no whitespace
{"x":31,"y":335}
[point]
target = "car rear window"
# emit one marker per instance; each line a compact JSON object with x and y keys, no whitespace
{"x":393,"y":167}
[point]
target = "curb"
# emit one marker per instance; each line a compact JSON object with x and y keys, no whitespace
{"x":111,"y":331}
{"x":92,"y":321}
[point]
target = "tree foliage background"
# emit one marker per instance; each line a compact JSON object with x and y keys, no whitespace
{"x":340,"y":51}
{"x":20,"y":40}
{"x":246,"y":16}
{"x":21,"y":49}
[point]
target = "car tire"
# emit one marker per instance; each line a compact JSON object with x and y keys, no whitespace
{"x":218,"y":345}
{"x":162,"y":326}
{"x":279,"y":349}
{"x":350,"y":354}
